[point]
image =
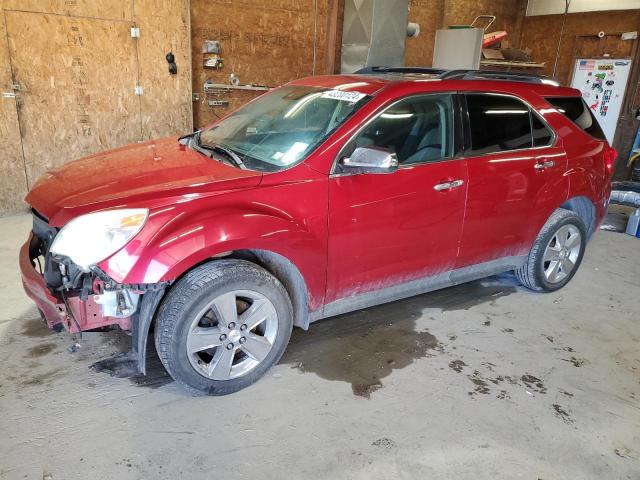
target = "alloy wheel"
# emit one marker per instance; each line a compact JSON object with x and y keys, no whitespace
{"x":562,"y":253}
{"x":232,"y":335}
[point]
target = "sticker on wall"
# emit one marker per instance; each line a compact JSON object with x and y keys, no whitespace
{"x":587,"y":64}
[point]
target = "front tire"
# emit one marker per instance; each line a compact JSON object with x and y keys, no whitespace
{"x":556,"y":253}
{"x":222,"y":326}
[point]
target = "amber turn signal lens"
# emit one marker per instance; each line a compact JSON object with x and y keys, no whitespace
{"x":132,"y":220}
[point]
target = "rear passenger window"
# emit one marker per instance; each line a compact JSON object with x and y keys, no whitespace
{"x":579,"y":113}
{"x":498,"y":123}
{"x":542,"y":136}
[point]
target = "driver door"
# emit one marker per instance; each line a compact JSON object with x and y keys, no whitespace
{"x":392,"y":228}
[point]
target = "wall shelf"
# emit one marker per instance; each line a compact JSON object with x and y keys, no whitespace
{"x":224,"y":86}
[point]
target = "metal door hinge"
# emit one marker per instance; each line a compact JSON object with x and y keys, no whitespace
{"x":138,"y":90}
{"x":135,"y":32}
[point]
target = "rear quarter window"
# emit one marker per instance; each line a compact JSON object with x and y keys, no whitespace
{"x":579,"y":113}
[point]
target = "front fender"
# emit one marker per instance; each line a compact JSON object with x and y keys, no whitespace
{"x":170,"y":244}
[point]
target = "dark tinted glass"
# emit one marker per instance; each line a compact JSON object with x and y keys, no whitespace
{"x":498,"y":123}
{"x":418,"y":129}
{"x":542,"y":136}
{"x":579,"y":112}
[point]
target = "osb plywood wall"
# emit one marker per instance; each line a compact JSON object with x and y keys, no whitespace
{"x":13,"y":182}
{"x":266,"y":42}
{"x":76,"y":66}
{"x":542,"y":33}
{"x":434,"y":14}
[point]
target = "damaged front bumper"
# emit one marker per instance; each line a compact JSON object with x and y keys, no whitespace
{"x":71,"y":312}
{"x":101,"y":302}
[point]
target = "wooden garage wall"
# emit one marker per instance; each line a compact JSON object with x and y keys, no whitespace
{"x":432,"y":15}
{"x":542,"y":33}
{"x":267,"y":42}
{"x":163,"y":109}
{"x":13,"y":181}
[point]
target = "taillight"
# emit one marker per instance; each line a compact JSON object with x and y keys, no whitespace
{"x":610,"y":155}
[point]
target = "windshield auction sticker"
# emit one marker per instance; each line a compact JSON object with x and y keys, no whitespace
{"x":351,"y":97}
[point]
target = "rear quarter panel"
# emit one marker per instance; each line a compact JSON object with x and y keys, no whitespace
{"x":586,"y":169}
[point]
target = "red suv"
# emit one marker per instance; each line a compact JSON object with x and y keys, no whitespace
{"x":326,"y":195}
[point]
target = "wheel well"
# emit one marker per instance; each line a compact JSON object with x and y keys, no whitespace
{"x":584,"y":208}
{"x":277,"y":265}
{"x":288,"y":274}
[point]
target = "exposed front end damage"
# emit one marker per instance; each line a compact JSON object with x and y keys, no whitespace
{"x":75,"y":300}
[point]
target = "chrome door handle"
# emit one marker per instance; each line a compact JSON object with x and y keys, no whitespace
{"x":448,"y":185}
{"x":545,"y":164}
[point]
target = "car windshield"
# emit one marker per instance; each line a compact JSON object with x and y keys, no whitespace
{"x":282,"y":127}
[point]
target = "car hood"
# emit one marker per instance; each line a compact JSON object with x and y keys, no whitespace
{"x":133,"y":174}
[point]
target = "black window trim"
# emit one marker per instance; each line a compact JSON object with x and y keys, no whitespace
{"x":468,"y":153}
{"x":458,"y":145}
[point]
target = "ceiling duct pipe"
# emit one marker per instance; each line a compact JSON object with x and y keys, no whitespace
{"x":373,"y":33}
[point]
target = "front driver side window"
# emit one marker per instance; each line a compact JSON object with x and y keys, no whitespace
{"x":418,"y":129}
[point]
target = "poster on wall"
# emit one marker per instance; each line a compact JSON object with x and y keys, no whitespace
{"x":602,"y":83}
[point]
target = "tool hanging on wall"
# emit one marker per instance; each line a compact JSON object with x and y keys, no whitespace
{"x":210,"y":52}
{"x":211,"y":46}
{"x":213,"y":61}
{"x":171,"y":60}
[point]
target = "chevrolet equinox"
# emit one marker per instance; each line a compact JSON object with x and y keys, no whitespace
{"x":326,"y":195}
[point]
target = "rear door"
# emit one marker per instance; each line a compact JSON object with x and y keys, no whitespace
{"x":391,"y":228}
{"x":516,"y":166}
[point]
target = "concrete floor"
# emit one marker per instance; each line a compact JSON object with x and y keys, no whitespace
{"x":484,"y":380}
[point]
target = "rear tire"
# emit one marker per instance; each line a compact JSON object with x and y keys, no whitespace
{"x":222,"y":326}
{"x":556,"y":253}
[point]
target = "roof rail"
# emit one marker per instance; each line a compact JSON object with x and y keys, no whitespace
{"x":497,"y":75}
{"x":463,"y":74}
{"x":380,"y":69}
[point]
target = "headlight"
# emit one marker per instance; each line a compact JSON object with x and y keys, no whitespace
{"x":89,"y":239}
